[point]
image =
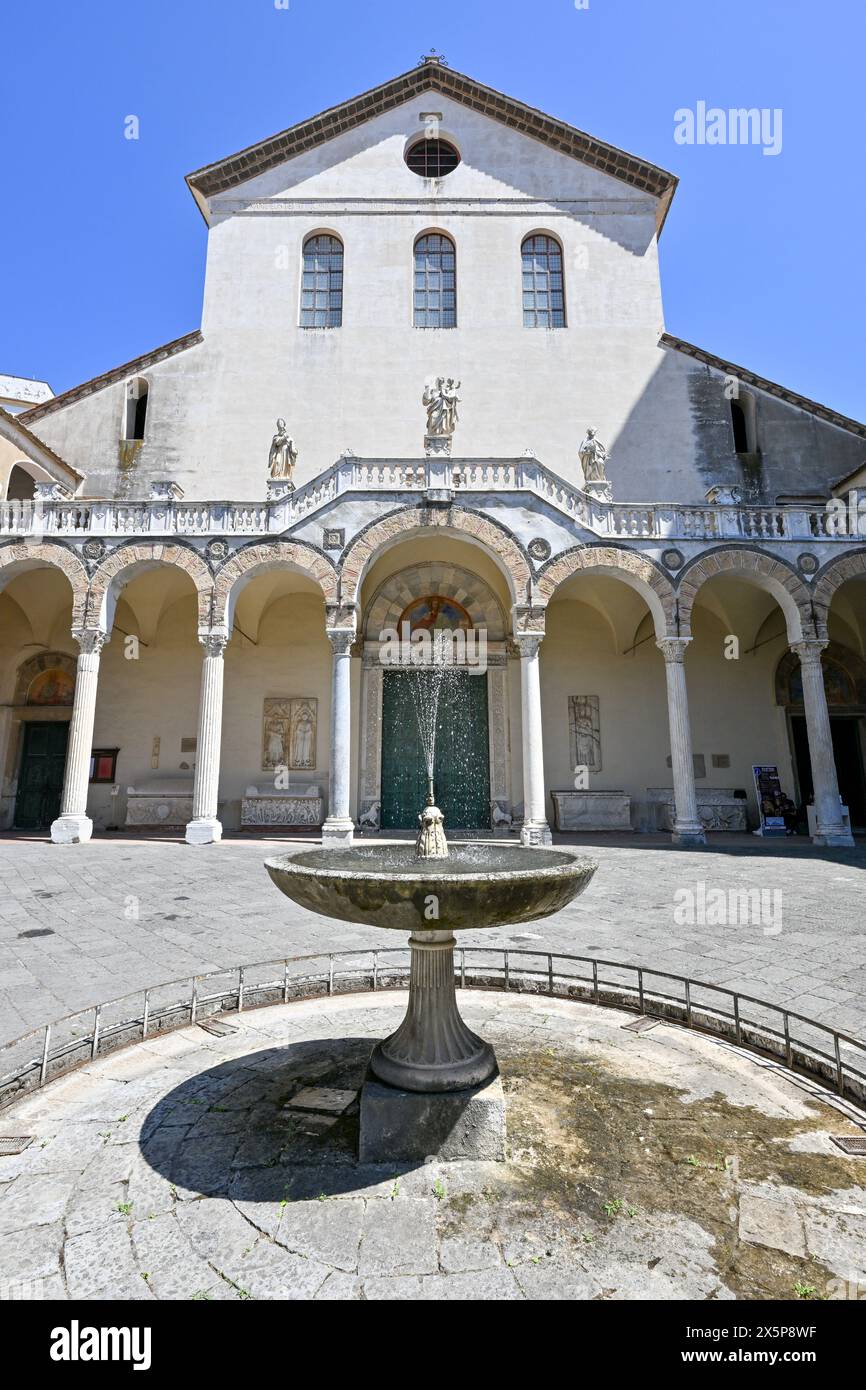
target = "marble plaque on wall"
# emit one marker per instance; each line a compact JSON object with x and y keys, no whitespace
{"x":585,"y":730}
{"x":289,"y":732}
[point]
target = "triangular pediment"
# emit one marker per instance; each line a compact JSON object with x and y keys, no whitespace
{"x":432,"y":78}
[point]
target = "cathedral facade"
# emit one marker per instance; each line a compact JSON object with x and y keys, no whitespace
{"x":432,"y":406}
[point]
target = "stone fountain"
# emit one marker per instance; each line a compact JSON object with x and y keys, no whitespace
{"x":430,"y":1088}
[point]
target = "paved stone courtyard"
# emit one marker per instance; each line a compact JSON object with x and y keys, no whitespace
{"x":639,"y":1166}
{"x":86,"y":923}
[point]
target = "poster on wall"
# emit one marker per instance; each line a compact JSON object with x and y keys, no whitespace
{"x":770,"y":800}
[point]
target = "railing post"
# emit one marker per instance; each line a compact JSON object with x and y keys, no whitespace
{"x":193,"y":999}
{"x":507,"y":971}
{"x":43,"y":1070}
{"x":285,"y":982}
{"x":462,"y":967}
{"x":789,"y":1054}
{"x":330,"y":974}
{"x":840,"y":1075}
{"x":595,"y":980}
{"x":94,"y":1045}
{"x":550,"y":974}
{"x":640,"y":988}
{"x":241,"y":977}
{"x":737,"y":1025}
{"x":688,"y":1003}
{"x":375,"y":970}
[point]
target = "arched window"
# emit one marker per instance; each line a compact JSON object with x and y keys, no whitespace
{"x":435,"y":294}
{"x":136,"y":408}
{"x":543,"y":287}
{"x":742,"y":423}
{"x":322,"y":282}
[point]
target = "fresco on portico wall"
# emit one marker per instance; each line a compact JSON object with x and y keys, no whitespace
{"x":52,"y":687}
{"x":434,"y":613}
{"x":844,"y":678}
{"x":289,"y":732}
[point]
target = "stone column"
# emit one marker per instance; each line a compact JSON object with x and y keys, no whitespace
{"x":828,"y":804}
{"x":339,"y":827}
{"x":74,"y":826}
{"x":205,"y":828}
{"x":687,"y":826}
{"x":536,"y":830}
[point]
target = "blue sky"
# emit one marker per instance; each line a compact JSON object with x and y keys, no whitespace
{"x":103,"y":248}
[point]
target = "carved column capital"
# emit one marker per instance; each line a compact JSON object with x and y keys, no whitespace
{"x":90,"y":640}
{"x":809,"y":651}
{"x":527,"y":643}
{"x":214,"y":643}
{"x":673,"y":648}
{"x":341,"y":639}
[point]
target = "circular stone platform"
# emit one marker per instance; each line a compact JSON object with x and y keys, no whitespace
{"x":656,"y":1164}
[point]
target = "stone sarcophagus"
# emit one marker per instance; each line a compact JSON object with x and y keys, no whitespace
{"x":295,"y":806}
{"x":585,"y":810}
{"x":160,"y":803}
{"x":718,"y":808}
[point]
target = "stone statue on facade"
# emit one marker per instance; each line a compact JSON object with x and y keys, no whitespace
{"x":283,"y":455}
{"x":593,"y":457}
{"x":441,"y":400}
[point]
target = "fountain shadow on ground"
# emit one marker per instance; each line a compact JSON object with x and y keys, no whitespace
{"x":225,"y":1132}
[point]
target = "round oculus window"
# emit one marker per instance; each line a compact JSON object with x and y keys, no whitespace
{"x":432,"y":159}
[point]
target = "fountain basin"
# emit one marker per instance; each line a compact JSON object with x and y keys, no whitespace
{"x":478,"y":885}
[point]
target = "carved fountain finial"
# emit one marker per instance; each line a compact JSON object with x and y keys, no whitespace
{"x":431,"y":842}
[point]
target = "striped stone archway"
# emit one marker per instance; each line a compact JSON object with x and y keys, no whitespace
{"x":766,"y":571}
{"x":21,"y":556}
{"x":457,"y":521}
{"x":255,"y":559}
{"x":618,"y":563}
{"x":831,"y":578}
{"x":135,"y":557}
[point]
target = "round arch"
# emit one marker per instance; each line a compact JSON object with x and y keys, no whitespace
{"x":626,"y":565}
{"x":480,"y":530}
{"x":135,"y":558}
{"x":245,"y":564}
{"x":832,"y":577}
{"x":767,"y":572}
{"x":20,"y":556}
{"x":473,"y":594}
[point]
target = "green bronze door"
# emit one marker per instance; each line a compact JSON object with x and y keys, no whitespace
{"x":462,"y":766}
{"x":40,"y":783}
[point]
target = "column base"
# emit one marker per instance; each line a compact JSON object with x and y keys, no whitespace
{"x":337,"y":831}
{"x":688,"y":835}
{"x":206,"y":830}
{"x":534,"y":833}
{"x":839,"y":839}
{"x":71,"y":830}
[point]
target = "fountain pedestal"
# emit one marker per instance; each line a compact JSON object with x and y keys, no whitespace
{"x":442,"y":1093}
{"x":433,"y":1050}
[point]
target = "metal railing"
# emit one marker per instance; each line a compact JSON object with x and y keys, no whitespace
{"x":834,"y":1060}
